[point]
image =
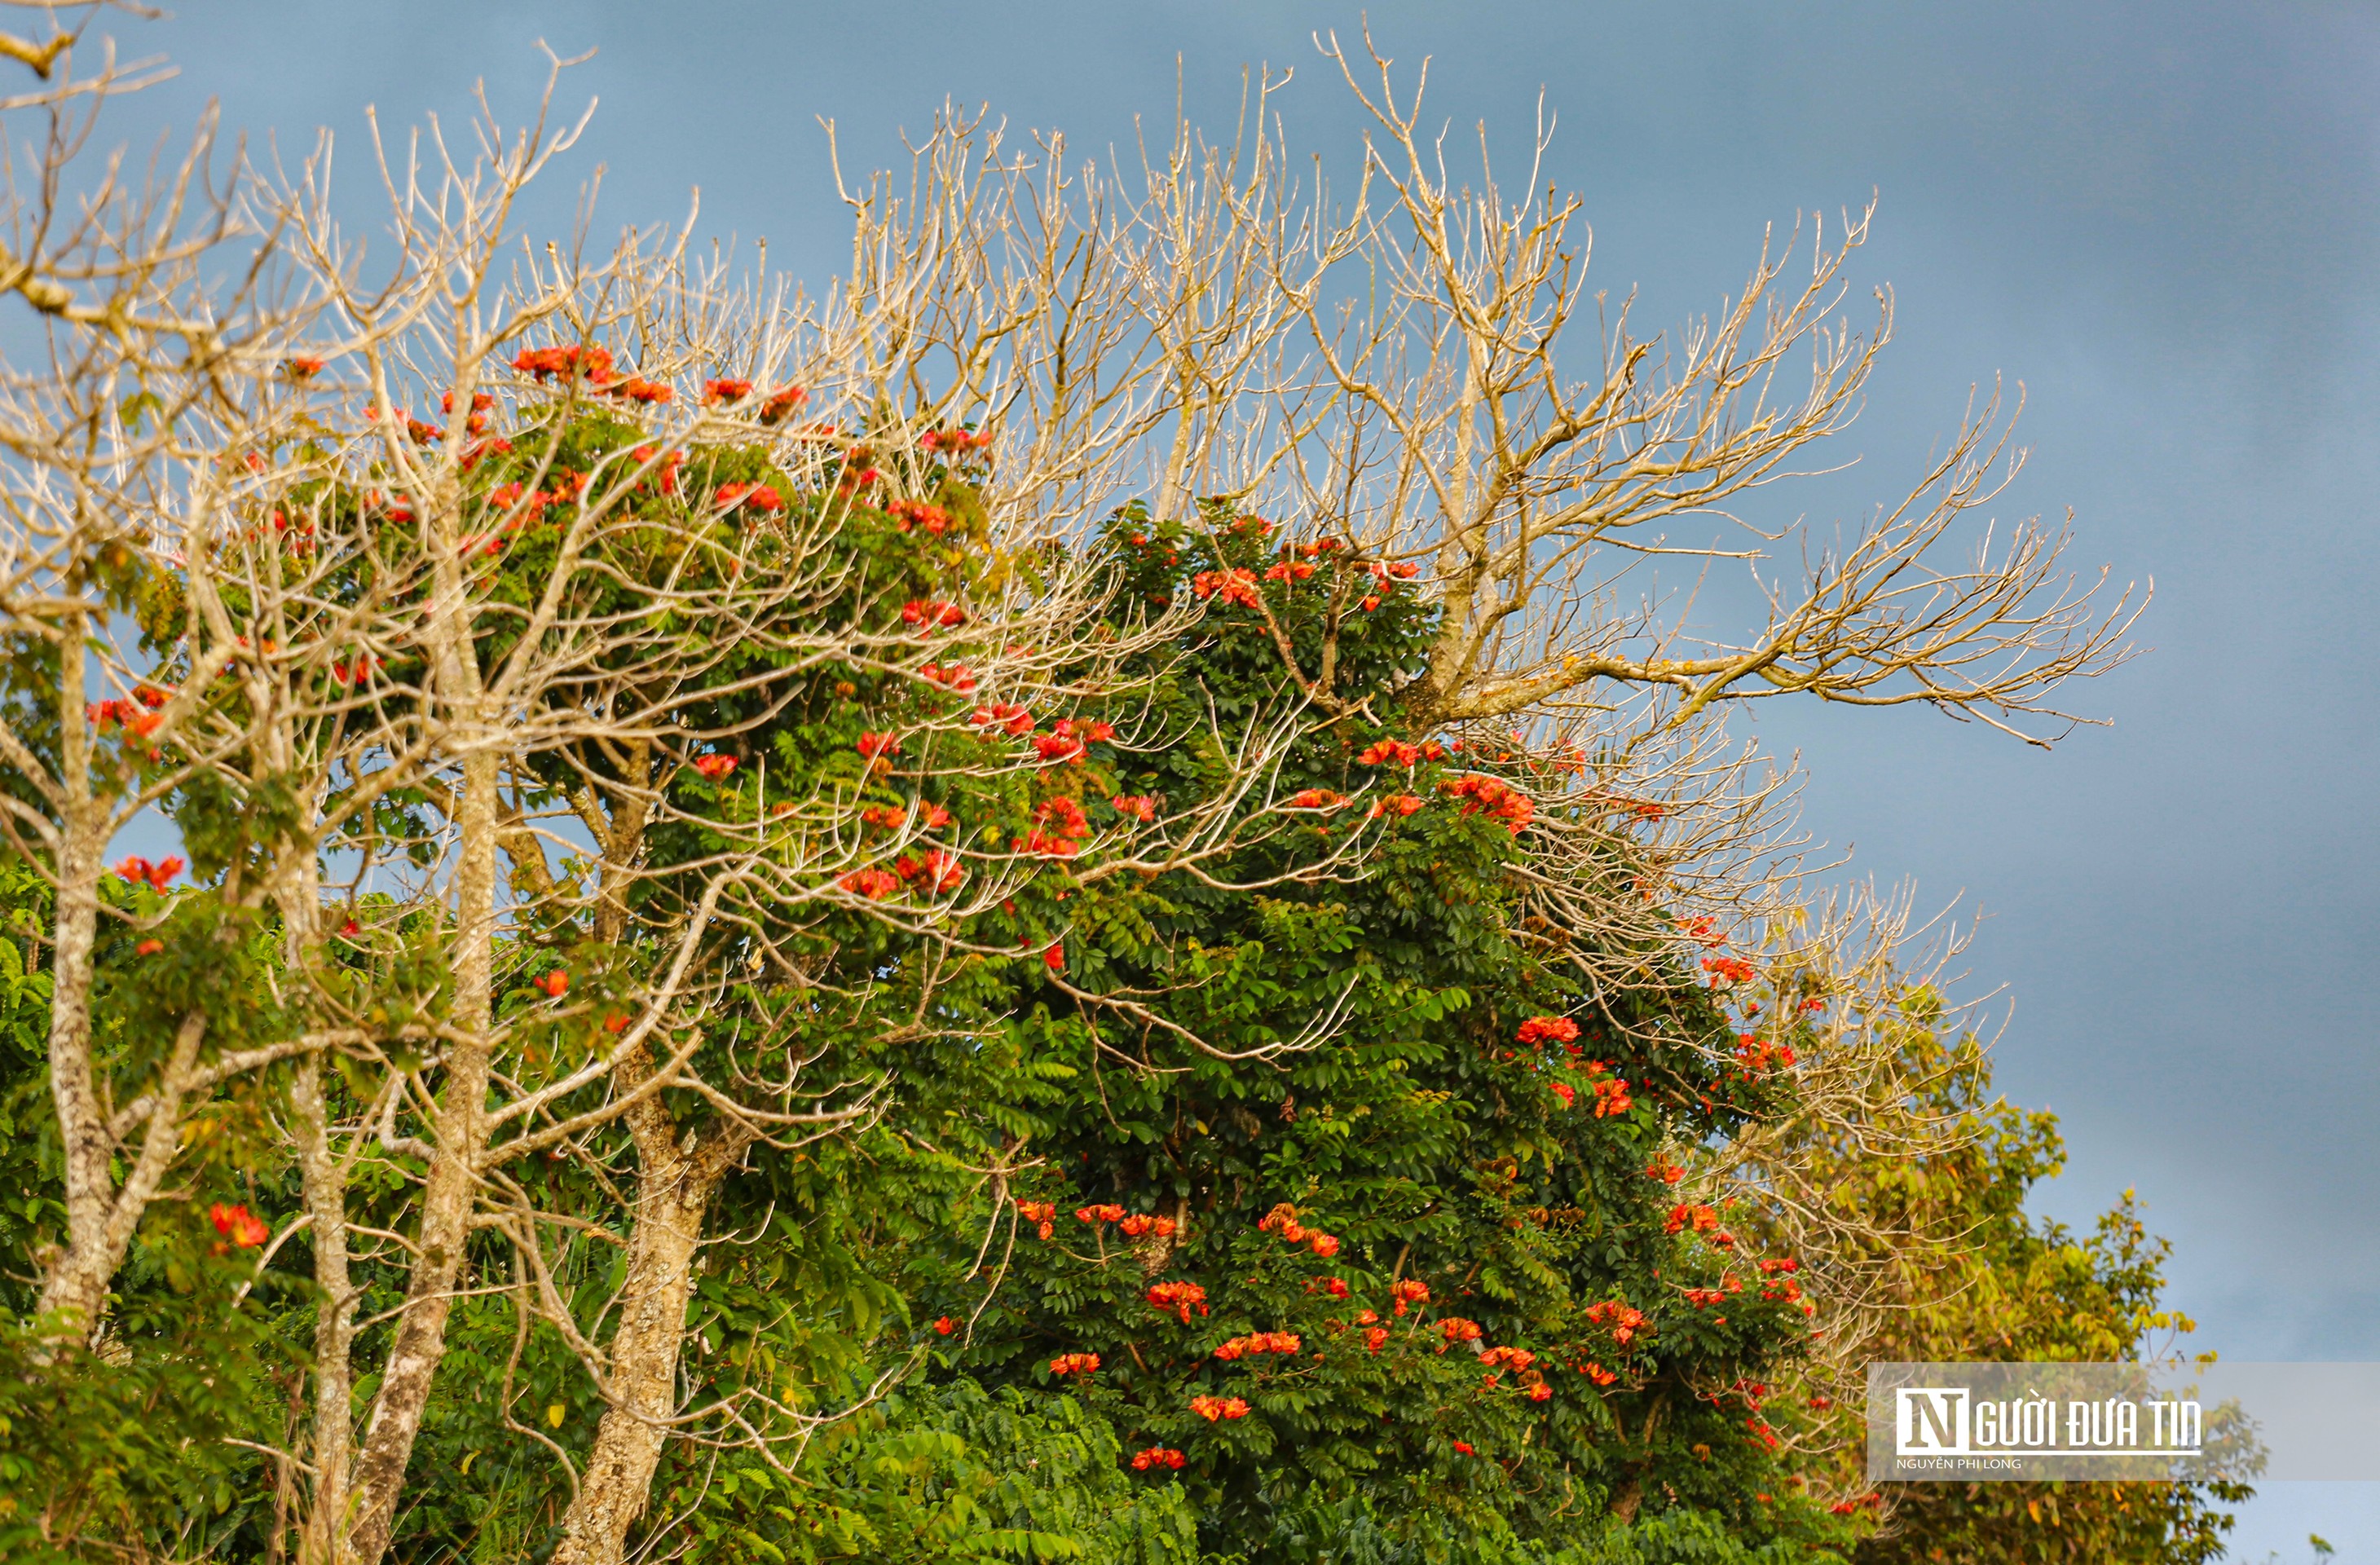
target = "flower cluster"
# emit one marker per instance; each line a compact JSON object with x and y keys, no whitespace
{"x":1625,"y":1322}
{"x":908,"y":514}
{"x":714,"y":767}
{"x":752,"y":496}
{"x":956,"y":677}
{"x":1412,"y":1291}
{"x":1316,"y":798}
{"x":1043,"y":1213}
{"x":1096,"y":1215}
{"x":542,"y":363}
{"x":1542,"y":1029}
{"x":135,"y":721}
{"x":140,"y":871}
{"x":1283,"y":1220}
{"x":1066,"y":739}
{"x":1457,"y":1329}
{"x":240,"y":1225}
{"x":1730,"y":1285}
{"x":1234,"y":586}
{"x":1135,"y":806}
{"x":1058,"y":827}
{"x":1212,"y":1408}
{"x":1500,"y":800}
{"x":1075,"y":1363}
{"x":876,"y":746}
{"x":1702,"y":1219}
{"x":1141,"y":1222}
{"x":932,"y":614}
{"x":1178,"y":1299}
{"x":873,"y":884}
{"x":956,"y":442}
{"x":1006,"y":715}
{"x":1395,"y":804}
{"x":1726,"y":970}
{"x":1757,"y":1057}
{"x":1390,"y":751}
{"x":936,"y":872}
{"x":1664,"y":1170}
{"x":1156,"y":1456}
{"x":1286,"y":1343}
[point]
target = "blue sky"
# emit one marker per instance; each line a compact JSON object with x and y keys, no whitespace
{"x":2161,"y":219}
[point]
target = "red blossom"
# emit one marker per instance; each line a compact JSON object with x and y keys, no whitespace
{"x":873,"y":884}
{"x":1135,"y":806}
{"x":1054,"y":959}
{"x":945,"y":1325}
{"x":714,"y":767}
{"x":726,"y":390}
{"x":240,"y":1225}
{"x":554,"y":984}
{"x":875,"y":746}
{"x":1235,"y":586}
{"x":140,"y":871}
{"x":931,"y":615}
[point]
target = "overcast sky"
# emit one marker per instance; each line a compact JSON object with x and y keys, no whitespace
{"x":2160,"y":219}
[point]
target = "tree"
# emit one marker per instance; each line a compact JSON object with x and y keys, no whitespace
{"x":604,"y":702}
{"x":1899,"y":1180}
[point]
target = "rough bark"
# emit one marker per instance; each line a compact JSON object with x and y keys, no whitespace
{"x":677,"y":1176}
{"x":451,"y":1190}
{"x":326,"y":1205}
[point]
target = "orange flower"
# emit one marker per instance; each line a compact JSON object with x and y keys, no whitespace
{"x":1235,"y":586}
{"x":1085,"y":1364}
{"x":554,"y":984}
{"x":873,"y":884}
{"x":875,"y":746}
{"x":1376,"y":1338}
{"x":714,"y":767}
{"x":1054,"y":959}
{"x":1214,"y":1408}
{"x":941,"y":872}
{"x":946,"y":1325}
{"x":147,"y":948}
{"x":240,"y":1225}
{"x":1537,"y":1029}
{"x":1135,"y":806}
{"x":1156,"y":1456}
{"x":932,"y":614}
{"x":726,"y":391}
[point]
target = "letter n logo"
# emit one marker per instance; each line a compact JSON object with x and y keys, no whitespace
{"x":1930,"y":1421}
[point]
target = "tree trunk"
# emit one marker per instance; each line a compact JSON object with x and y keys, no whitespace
{"x":675,"y":1181}
{"x":326,"y":1205}
{"x":451,"y":1192}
